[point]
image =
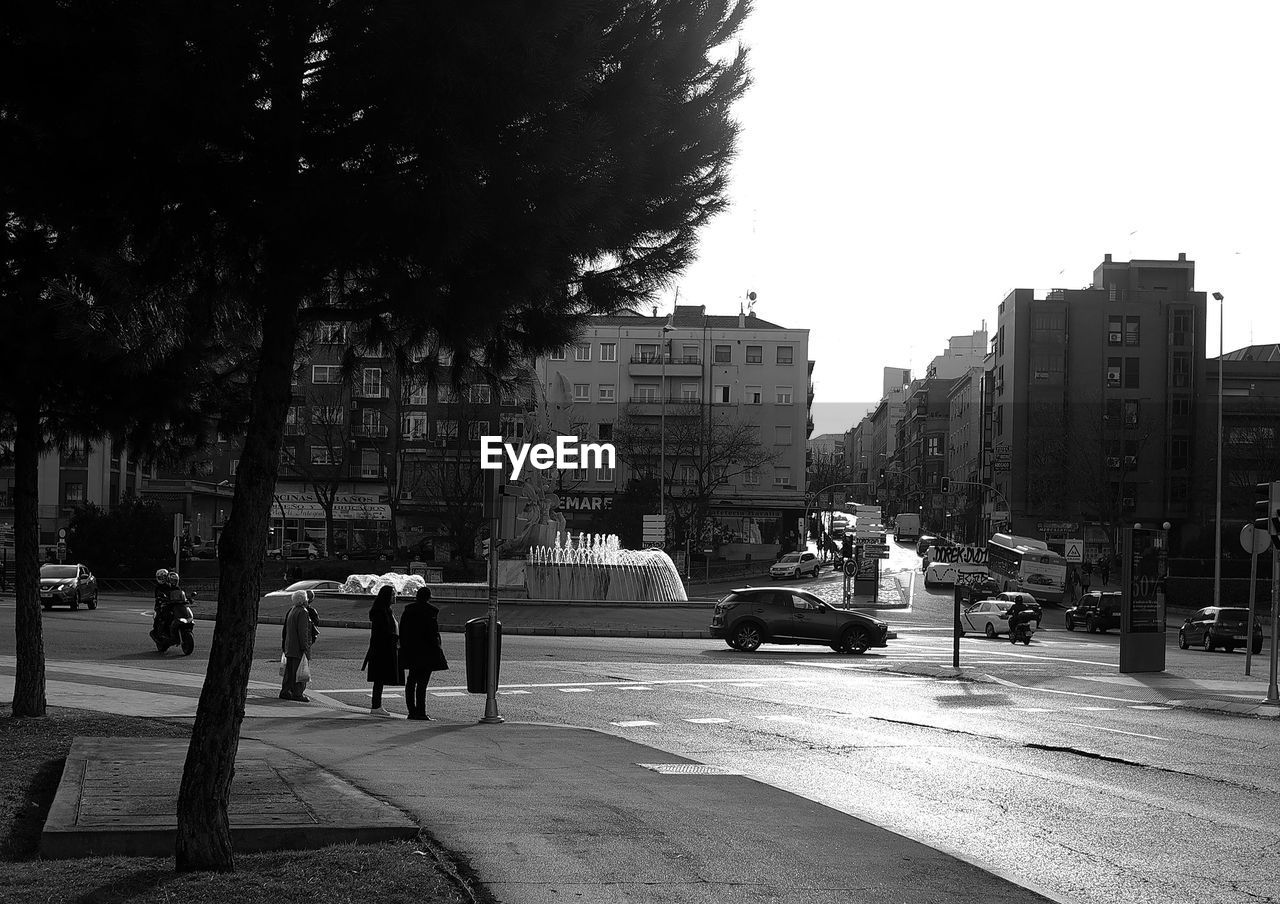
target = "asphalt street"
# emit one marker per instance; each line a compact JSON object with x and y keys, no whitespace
{"x":1040,"y":763}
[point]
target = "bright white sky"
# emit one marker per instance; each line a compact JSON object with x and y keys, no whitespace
{"x":902,"y":166}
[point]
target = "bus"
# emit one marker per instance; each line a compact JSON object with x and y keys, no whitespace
{"x":1021,"y":563}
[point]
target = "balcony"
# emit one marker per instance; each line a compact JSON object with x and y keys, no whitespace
{"x":369,"y":431}
{"x":656,"y":402}
{"x":371,"y":392}
{"x":646,"y":365}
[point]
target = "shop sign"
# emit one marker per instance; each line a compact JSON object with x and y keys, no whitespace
{"x":346,"y":507}
{"x":583,"y":502}
{"x":762,"y":514}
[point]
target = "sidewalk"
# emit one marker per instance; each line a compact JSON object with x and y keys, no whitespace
{"x":541,"y":813}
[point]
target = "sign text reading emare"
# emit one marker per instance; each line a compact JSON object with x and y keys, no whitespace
{"x":567,"y":453}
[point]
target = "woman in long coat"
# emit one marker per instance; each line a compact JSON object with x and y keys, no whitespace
{"x":382,"y":660}
{"x":420,"y":651}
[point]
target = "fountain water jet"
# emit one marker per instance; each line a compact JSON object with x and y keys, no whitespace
{"x":597,"y":568}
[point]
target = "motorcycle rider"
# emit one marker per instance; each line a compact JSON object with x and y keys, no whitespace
{"x":1019,"y":614}
{"x":167,"y":606}
{"x":161,"y":600}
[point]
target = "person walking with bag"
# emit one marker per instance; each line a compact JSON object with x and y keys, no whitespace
{"x":420,"y":651}
{"x":382,"y":660}
{"x":296,"y":647}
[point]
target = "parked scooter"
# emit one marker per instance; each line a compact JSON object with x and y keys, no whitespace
{"x":177,"y":624}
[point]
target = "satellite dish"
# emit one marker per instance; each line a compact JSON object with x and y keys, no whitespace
{"x":751,"y":296}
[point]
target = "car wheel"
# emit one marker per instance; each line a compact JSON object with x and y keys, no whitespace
{"x":747,"y":637}
{"x":990,"y":631}
{"x":93,"y":601}
{"x":854,"y":640}
{"x":1182,"y":640}
{"x":311,"y":556}
{"x":1071,"y":625}
{"x":1091,"y":626}
{"x":1208,"y":643}
{"x":75,"y":603}
{"x":731,"y":642}
{"x":1230,"y":647}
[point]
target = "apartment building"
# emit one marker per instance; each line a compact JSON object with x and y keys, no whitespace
{"x":1093,"y":413}
{"x":706,"y":377}
{"x":964,"y":456}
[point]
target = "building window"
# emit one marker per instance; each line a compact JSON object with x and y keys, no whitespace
{"x":1046,"y":368}
{"x":370,"y":463}
{"x":582,"y":392}
{"x":235,"y":465}
{"x":1179,"y":452}
{"x":582,"y":351}
{"x":782,"y":395}
{"x":933,"y":445}
{"x":445,"y":394}
{"x":755,"y":354}
{"x":755,"y":395}
{"x":446,"y":432}
{"x":605,"y":432}
{"x":1180,"y":408}
{"x":480,"y":394}
{"x":557,"y":355}
{"x":751,"y":477}
{"x":1113,"y":373}
{"x":1132,"y":411}
{"x":1181,"y":369}
{"x":785,"y":354}
{"x":72,"y":493}
{"x":418,"y":394}
{"x":478,"y":429}
{"x":646,"y":352}
{"x":1131,"y":373}
{"x":326,"y":373}
{"x":690,"y":392}
{"x":321,"y":455}
{"x":1115,"y":331}
{"x":604,"y":475}
{"x":332,"y":334}
{"x":371,"y":382}
{"x":781,"y":477}
{"x":512,"y":426}
{"x":646,"y":392}
{"x":608,"y":393}
{"x":720,"y":395}
{"x":1132,"y":330}
{"x":724,"y":354}
{"x":1000,"y":343}
{"x":608,"y":351}
{"x":327,"y":415}
{"x":782,"y":436}
{"x":413,"y":426}
{"x":688,"y":475}
{"x":445,"y":357}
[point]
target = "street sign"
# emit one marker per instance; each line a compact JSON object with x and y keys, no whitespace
{"x":62,"y":551}
{"x":877,"y":535}
{"x":875,"y":551}
{"x":1074,"y":551}
{"x":1254,"y":541}
{"x":655,"y":528}
{"x":62,"y":533}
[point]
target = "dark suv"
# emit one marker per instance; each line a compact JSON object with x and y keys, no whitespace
{"x":1097,"y":611}
{"x":1222,"y":627}
{"x":747,"y":618}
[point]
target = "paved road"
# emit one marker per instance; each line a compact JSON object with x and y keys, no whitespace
{"x":1082,"y":792}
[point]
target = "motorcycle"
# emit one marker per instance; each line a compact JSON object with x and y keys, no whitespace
{"x":179,"y":628}
{"x":1022,"y":632}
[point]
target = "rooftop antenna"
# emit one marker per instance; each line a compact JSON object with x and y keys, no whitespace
{"x":751,"y":301}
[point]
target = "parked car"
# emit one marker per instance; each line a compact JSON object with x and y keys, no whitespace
{"x":974,"y":591}
{"x":988,"y":617}
{"x":1219,"y":627}
{"x":302,"y":549}
{"x":277,"y":601}
{"x":1097,"y":610}
{"x":381,"y":553}
{"x":754,"y":615}
{"x":68,"y":585}
{"x":203,"y":549}
{"x":1028,"y":600}
{"x":795,"y":565}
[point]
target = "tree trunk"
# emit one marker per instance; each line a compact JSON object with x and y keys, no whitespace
{"x":28,"y":684}
{"x":204,"y":836}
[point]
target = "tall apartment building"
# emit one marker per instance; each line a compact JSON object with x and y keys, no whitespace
{"x":921,"y":458}
{"x":1093,"y":417}
{"x":964,"y":456}
{"x":700,"y":369}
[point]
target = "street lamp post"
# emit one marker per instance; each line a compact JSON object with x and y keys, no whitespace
{"x":662,"y":424}
{"x":1217,"y":532}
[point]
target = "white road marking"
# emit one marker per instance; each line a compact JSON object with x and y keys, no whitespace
{"x":744,"y":684}
{"x":1049,"y":690}
{"x":1158,"y":709}
{"x":636,"y":724}
{"x":707,"y":721}
{"x":625,"y":687}
{"x":1133,"y":734}
{"x":505,"y":692}
{"x":574,"y":690}
{"x":439,"y":693}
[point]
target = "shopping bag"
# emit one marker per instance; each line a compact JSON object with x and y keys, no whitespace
{"x":283,"y":664}
{"x":304,"y":670}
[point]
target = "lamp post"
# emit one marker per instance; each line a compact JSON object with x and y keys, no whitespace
{"x":1217,"y":523}
{"x":662,"y":425}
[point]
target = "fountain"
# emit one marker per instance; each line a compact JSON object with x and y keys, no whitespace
{"x":595,"y":567}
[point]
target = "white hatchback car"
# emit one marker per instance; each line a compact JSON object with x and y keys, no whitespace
{"x":795,"y":565}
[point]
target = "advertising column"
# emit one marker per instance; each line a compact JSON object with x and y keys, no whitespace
{"x":1142,"y":605}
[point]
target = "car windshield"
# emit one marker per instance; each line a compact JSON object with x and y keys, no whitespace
{"x":58,"y":571}
{"x":790,"y":557}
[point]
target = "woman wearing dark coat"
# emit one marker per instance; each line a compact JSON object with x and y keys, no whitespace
{"x":420,"y":651}
{"x":382,"y":660}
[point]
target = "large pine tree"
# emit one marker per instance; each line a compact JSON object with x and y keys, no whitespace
{"x":489,"y":173}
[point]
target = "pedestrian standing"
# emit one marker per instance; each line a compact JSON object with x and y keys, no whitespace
{"x":382,"y":660}
{"x":421,"y":651}
{"x":1104,"y":565}
{"x":1086,"y":577}
{"x":1071,"y":584}
{"x":296,"y":646}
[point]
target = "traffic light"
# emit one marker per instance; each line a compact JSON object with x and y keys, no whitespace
{"x":882,"y":473}
{"x":1267,"y":510}
{"x":946,"y":484}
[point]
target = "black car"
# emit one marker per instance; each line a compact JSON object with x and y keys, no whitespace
{"x":977,"y":589}
{"x":749,"y":617}
{"x":1224,"y":627}
{"x":1097,"y":611}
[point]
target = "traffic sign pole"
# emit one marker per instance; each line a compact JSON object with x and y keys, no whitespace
{"x":1249,"y":539}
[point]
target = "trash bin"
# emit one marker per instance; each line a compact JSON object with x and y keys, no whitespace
{"x":477,"y":642}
